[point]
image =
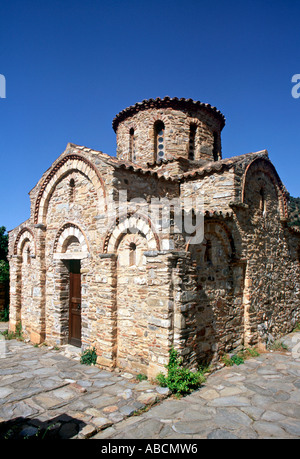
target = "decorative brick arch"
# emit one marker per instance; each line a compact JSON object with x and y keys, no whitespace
{"x":123,"y":225}
{"x":223,"y":233}
{"x":156,"y":117}
{"x":60,"y":169}
{"x":66,"y":231}
{"x":24,"y":235}
{"x":265,"y":166}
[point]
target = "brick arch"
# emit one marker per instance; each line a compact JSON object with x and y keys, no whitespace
{"x":123,"y":225}
{"x":154,"y":119}
{"x":222,"y":231}
{"x":68,"y":230}
{"x":24,"y":235}
{"x":265,"y":166}
{"x":195,"y":121}
{"x":58,"y":172}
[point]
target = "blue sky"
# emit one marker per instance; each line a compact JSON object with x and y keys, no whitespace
{"x":71,"y":66}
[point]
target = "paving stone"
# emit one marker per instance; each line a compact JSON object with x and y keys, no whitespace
{"x":103,"y":383}
{"x":102,"y":423}
{"x":269,"y":430}
{"x":291,"y":426}
{"x":5,"y":391}
{"x":110,"y":409}
{"x":47,"y":401}
{"x":230,"y":401}
{"x":209,"y":394}
{"x":88,"y":431}
{"x":272,"y":416}
{"x":163,"y":390}
{"x":231,"y":418}
{"x":128,"y":410}
{"x":194,"y":427}
{"x":248,"y":401}
{"x":219,"y":434}
{"x":199,"y":413}
{"x":147,"y":398}
{"x":146,"y":430}
{"x":64,"y":393}
{"x":289,"y":410}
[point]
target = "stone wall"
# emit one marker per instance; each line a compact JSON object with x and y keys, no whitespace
{"x":176,"y":135}
{"x":146,"y":288}
{"x":272,"y":273}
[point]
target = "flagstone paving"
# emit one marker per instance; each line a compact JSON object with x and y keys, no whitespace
{"x":47,"y":392}
{"x":258,"y":399}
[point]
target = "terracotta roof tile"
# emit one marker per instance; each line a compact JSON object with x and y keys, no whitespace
{"x":167,"y":101}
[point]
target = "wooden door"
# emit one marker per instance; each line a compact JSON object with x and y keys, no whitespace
{"x":75,"y":304}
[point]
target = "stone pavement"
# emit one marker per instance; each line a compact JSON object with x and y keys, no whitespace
{"x":46,"y":394}
{"x":256,"y":400}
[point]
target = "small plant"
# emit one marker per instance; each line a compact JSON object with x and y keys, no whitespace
{"x":278,"y":346}
{"x":253,"y":352}
{"x":240,"y":357}
{"x":18,"y":334}
{"x":141,"y":377}
{"x":179,"y":380}
{"x":89,"y":357}
{"x":297,"y":327}
{"x":4,"y":315}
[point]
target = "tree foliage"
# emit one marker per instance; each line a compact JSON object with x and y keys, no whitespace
{"x":4,"y":270}
{"x":294,"y":211}
{"x":3,"y":243}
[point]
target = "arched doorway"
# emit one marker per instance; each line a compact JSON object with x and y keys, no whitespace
{"x":70,"y":249}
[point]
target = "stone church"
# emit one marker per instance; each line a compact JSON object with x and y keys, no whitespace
{"x":88,"y":270}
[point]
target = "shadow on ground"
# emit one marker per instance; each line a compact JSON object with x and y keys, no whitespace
{"x":60,"y":427}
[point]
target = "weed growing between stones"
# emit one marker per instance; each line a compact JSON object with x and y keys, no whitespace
{"x":179,"y":380}
{"x":141,"y":377}
{"x":277,"y":346}
{"x":18,"y":334}
{"x":89,"y":357}
{"x":240,"y":357}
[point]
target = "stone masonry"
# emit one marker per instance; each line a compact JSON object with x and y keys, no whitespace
{"x":145,"y":285}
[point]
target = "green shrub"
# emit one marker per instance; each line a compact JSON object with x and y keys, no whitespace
{"x":141,"y":377}
{"x":4,"y":315}
{"x":240,"y":357}
{"x":297,"y":327}
{"x":179,"y":380}
{"x":18,"y":334}
{"x":89,"y":357}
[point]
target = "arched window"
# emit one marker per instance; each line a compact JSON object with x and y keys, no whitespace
{"x":208,"y":252}
{"x":72,"y":189}
{"x":216,"y":149}
{"x":193,"y":129}
{"x":28,"y":256}
{"x":159,"y":140}
{"x":132,"y":156}
{"x":262,"y":203}
{"x":132,"y":254}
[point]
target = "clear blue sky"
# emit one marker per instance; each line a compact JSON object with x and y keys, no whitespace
{"x":72,"y":65}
